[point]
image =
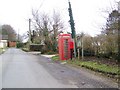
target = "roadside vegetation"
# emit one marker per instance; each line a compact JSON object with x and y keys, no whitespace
{"x":55,"y":58}
{"x":1,"y":50}
{"x":25,"y":49}
{"x":110,"y":70}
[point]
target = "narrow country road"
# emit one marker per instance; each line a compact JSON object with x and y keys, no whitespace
{"x":24,"y":70}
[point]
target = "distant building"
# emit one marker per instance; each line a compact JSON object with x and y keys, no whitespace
{"x":11,"y":43}
{"x":3,"y":41}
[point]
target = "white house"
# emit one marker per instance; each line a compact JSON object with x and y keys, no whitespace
{"x":3,"y":41}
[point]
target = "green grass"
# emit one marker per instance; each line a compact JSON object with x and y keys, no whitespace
{"x":51,"y":53}
{"x":1,"y":50}
{"x":25,"y":49}
{"x":99,"y":67}
{"x":55,"y":58}
{"x":103,"y":68}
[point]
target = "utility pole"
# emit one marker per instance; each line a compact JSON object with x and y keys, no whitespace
{"x":82,"y":47}
{"x":72,"y":27}
{"x":78,"y":45}
{"x":118,"y":39}
{"x":78,"y":53}
{"x":18,"y":35}
{"x":119,"y":31}
{"x":29,"y":32}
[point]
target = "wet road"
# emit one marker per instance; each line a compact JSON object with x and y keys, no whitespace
{"x":24,"y":70}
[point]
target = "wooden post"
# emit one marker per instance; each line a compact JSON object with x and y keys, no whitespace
{"x":119,"y":31}
{"x":29,"y":33}
{"x":78,"y":53}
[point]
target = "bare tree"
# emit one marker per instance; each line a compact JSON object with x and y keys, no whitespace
{"x":47,"y":28}
{"x":58,"y":26}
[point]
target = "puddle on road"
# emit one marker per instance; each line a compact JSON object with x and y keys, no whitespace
{"x":62,"y":71}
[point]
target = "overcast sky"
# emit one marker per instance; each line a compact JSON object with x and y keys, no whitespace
{"x":87,"y":14}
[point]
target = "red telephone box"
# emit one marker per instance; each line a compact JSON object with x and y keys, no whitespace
{"x":64,"y":45}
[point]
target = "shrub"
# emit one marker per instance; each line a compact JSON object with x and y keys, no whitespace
{"x":20,"y":45}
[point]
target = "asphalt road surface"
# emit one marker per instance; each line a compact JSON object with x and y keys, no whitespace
{"x":25,"y":70}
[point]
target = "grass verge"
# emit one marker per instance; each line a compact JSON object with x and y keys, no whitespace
{"x":25,"y":49}
{"x":1,"y":50}
{"x":95,"y":66}
{"x":55,"y":58}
